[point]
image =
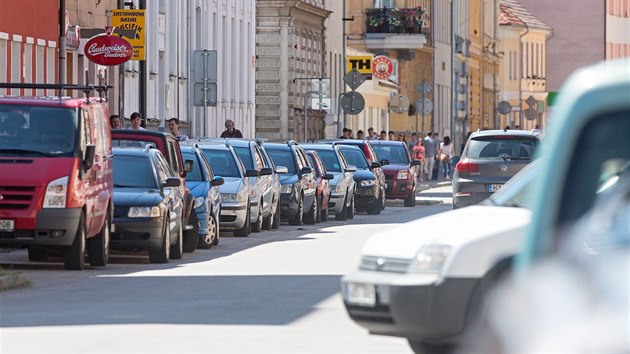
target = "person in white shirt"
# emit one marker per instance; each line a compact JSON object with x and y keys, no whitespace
{"x":136,"y":121}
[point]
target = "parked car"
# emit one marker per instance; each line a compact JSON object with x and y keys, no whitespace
{"x":322,"y":190}
{"x":275,"y":221}
{"x":298,"y":200}
{"x":489,"y":159}
{"x":342,"y":186}
{"x":148,"y":204}
{"x":369,"y":193}
{"x":400,"y":172}
{"x":204,"y":186}
{"x":428,"y":289}
{"x":169,"y":146}
{"x":236,"y":189}
{"x":56,"y":177}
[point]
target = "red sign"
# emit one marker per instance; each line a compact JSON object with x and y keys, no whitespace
{"x":382,"y":67}
{"x":108,"y":50}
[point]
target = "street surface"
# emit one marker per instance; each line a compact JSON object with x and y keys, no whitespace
{"x":272,"y":292}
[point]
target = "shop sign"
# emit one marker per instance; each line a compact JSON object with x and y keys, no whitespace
{"x":382,"y":67}
{"x":108,"y":50}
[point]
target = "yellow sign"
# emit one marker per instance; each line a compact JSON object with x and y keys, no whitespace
{"x":131,"y":20}
{"x":363,"y":63}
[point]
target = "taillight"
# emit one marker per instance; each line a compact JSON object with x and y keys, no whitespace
{"x":465,"y":166}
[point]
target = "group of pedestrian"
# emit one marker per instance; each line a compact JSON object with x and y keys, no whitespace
{"x":434,"y":153}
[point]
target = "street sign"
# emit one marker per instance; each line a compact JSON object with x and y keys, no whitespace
{"x":424,"y":106}
{"x":504,"y":107}
{"x":399,"y":104}
{"x":132,"y":20}
{"x":531,"y":101}
{"x":322,"y":86}
{"x":352,"y":102}
{"x":198,"y":96}
{"x":324,"y":104}
{"x":424,"y":86}
{"x":362,"y":63}
{"x":354,"y":79}
{"x":530,"y":114}
{"x":205,"y":66}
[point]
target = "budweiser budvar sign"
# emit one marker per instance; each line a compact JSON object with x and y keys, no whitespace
{"x":108,"y":50}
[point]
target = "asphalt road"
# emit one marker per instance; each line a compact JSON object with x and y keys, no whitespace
{"x":272,"y":292}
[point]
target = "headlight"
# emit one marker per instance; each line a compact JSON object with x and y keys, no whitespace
{"x":228,"y":197}
{"x":144,"y":212}
{"x":56,"y":192}
{"x":430,"y":259}
{"x":368,"y":182}
{"x":339,"y":189}
{"x":199,"y":202}
{"x":286,"y":188}
{"x":403,"y":174}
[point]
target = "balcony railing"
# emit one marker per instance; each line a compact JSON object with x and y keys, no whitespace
{"x":400,"y":21}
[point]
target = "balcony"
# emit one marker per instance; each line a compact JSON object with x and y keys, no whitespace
{"x":395,"y":28}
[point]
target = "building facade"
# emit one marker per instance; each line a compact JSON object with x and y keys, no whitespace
{"x":617,"y":29}
{"x":442,"y":69}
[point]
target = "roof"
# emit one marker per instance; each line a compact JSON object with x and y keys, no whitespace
{"x":48,"y":101}
{"x":512,"y":13}
{"x":133,"y":151}
{"x":142,"y":132}
{"x":506,"y":132}
{"x":317,"y":146}
{"x":387,"y":142}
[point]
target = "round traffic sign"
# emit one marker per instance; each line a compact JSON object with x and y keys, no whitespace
{"x":504,"y":107}
{"x":399,"y":104}
{"x":530,"y":114}
{"x":352,"y":102}
{"x":424,"y":106}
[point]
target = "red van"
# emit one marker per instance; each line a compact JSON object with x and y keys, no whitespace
{"x":56,"y":174}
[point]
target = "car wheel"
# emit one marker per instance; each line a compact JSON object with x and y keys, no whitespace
{"x":37,"y":254}
{"x":191,"y":237}
{"x":311,"y":217}
{"x":420,"y":347}
{"x":410,"y":201}
{"x":318,"y":217}
{"x":247,"y":227}
{"x":350,"y":209}
{"x":257,"y":226}
{"x":207,"y":241}
{"x":268,"y":221}
{"x":177,"y":249}
{"x":376,"y":207}
{"x":98,"y":246}
{"x":324,"y":213}
{"x":163,"y":254}
{"x":74,"y":259}
{"x":296,"y":220}
{"x":383,"y":199}
{"x":276,"y":216}
{"x":343,"y":215}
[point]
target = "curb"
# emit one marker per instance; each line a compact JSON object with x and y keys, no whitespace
{"x":13,"y":280}
{"x":428,"y":202}
{"x":424,"y":187}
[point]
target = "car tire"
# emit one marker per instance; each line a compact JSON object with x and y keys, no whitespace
{"x":410,"y":200}
{"x":324,"y":213}
{"x":311,"y":217}
{"x":177,"y":249}
{"x":376,"y":207}
{"x":74,"y":258}
{"x":268,"y":221}
{"x":207,"y":241}
{"x":37,"y":254}
{"x":350,"y":209}
{"x":163,"y":254}
{"x":318,"y":217}
{"x":298,"y":218}
{"x":276,"y":216}
{"x":98,"y":246}
{"x":191,"y":237}
{"x":343,"y":215}
{"x":420,"y":347}
{"x":257,"y":226}
{"x":247,"y":227}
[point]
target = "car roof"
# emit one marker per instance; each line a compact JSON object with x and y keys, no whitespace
{"x":506,"y":132}
{"x":349,"y":146}
{"x":387,"y":142}
{"x":210,"y":146}
{"x":134,"y":151}
{"x":48,"y":101}
{"x":143,"y":132}
{"x":318,"y":146}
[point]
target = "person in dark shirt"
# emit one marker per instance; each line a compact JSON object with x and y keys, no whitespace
{"x":230,"y":131}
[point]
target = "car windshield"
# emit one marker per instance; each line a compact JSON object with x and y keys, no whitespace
{"x":37,"y":131}
{"x":222,"y":162}
{"x":493,"y":147}
{"x":395,"y":154}
{"x":355,"y":157}
{"x":245,"y":154}
{"x":283,"y":158}
{"x":196,"y":173}
{"x":330,"y":160}
{"x":133,"y":172}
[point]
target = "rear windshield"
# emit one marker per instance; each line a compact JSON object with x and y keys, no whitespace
{"x":396,"y":154}
{"x":355,"y":157}
{"x":283,"y":158}
{"x":492,"y":147}
{"x":222,"y":162}
{"x":37,"y":131}
{"x":330,"y":160}
{"x":245,"y":154}
{"x":195,"y":174}
{"x":133,"y":172}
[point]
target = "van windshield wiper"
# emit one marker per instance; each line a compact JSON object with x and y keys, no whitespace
{"x":25,"y":152}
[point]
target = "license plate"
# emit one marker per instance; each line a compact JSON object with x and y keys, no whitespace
{"x":361,"y":294}
{"x":494,"y":187}
{"x":7,"y":225}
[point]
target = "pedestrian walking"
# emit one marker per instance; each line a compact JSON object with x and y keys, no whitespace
{"x":412,"y":142}
{"x":436,"y":157}
{"x":429,"y":152}
{"x":370,"y":134}
{"x":383,"y":135}
{"x":136,"y":121}
{"x":230,"y":131}
{"x":445,"y":153}
{"x":360,"y":134}
{"x":391,"y":135}
{"x":173,"y":125}
{"x":114,"y":121}
{"x":345,"y":134}
{"x":418,"y":154}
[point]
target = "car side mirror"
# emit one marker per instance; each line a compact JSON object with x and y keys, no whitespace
{"x":328,"y":176}
{"x":88,"y":160}
{"x":217,"y":181}
{"x":376,"y":164}
{"x":351,"y":168}
{"x":454,"y":160}
{"x":415,"y":163}
{"x":172,"y":182}
{"x":384,"y":162}
{"x":306,"y":170}
{"x":266,"y":171}
{"x":282,"y":169}
{"x":188,"y":165}
{"x":252,"y":173}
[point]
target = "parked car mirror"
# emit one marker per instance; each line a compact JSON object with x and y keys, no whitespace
{"x":376,"y":164}
{"x":88,"y":160}
{"x":351,"y":168}
{"x":415,"y":163}
{"x":328,"y":176}
{"x":282,"y":169}
{"x":266,"y":171}
{"x":384,"y":162}
{"x":172,"y":182}
{"x":305,"y":170}
{"x":188,"y":165}
{"x":217,"y":181}
{"x":252,"y":173}
{"x":454,"y":160}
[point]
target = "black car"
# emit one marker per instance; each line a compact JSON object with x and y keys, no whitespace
{"x":147,"y":204}
{"x":297,"y":199}
{"x":369,"y":193}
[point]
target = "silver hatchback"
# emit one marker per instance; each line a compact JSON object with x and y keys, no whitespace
{"x":490,"y":158}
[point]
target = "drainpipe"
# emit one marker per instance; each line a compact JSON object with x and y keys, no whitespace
{"x":453,"y":80}
{"x":62,"y":43}
{"x":520,"y":87}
